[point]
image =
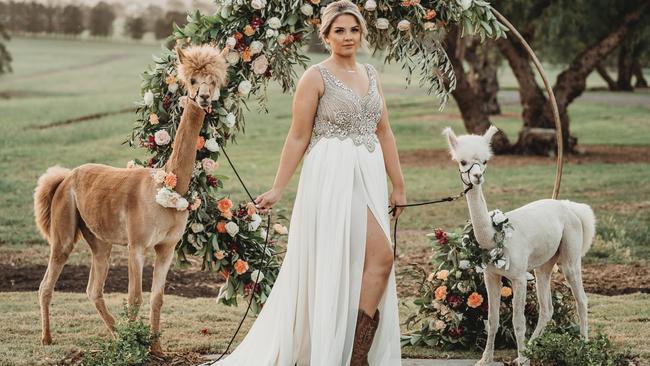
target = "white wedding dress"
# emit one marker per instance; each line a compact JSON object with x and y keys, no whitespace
{"x":311,"y":313}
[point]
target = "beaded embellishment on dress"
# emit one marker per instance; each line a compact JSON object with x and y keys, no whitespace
{"x":342,"y":113}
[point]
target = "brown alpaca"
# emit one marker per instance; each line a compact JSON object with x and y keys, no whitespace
{"x":110,"y":206}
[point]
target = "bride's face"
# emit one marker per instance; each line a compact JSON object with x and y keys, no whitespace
{"x":344,"y":36}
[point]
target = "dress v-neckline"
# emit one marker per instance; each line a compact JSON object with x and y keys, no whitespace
{"x":346,"y":86}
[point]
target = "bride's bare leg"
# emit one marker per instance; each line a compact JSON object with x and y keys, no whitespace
{"x":377,"y":266}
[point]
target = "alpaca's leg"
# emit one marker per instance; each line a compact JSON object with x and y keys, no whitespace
{"x":98,"y":271}
{"x":543,"y":285}
{"x":571,"y":264}
{"x":493,"y":286}
{"x":136,"y":263}
{"x":63,"y":234}
{"x":164,"y":257}
{"x":518,"y":317}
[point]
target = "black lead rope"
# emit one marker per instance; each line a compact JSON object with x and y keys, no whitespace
{"x":268,"y":227}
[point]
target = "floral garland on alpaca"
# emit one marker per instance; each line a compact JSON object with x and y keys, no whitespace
{"x":452,"y":305}
{"x":266,"y":39}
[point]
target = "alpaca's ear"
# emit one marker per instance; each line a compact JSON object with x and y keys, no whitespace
{"x":180,"y":54}
{"x":452,"y":140}
{"x":490,"y":133}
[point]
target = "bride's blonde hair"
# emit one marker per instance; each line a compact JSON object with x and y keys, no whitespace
{"x":336,"y":9}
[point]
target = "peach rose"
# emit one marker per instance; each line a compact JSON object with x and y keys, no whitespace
{"x":220,"y":254}
{"x":250,"y":209}
{"x":249,"y":30}
{"x":241,"y":266}
{"x":225,"y":273}
{"x":429,"y":15}
{"x":246,"y":55}
{"x":221,"y":227}
{"x":474,"y":300}
{"x":441,"y":293}
{"x":506,"y":291}
{"x":200,"y":142}
{"x":170,"y":180}
{"x":224,"y":205}
{"x":153,"y":119}
{"x":196,"y":204}
{"x":171,"y":79}
{"x":442,"y":275}
{"x":227,"y":215}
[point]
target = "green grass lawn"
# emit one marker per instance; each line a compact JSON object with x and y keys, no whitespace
{"x":56,"y":80}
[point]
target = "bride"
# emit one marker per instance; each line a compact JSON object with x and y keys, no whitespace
{"x":334,"y":301}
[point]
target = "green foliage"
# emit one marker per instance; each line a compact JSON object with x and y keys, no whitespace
{"x":452,"y":306}
{"x":129,"y":347}
{"x":561,"y":347}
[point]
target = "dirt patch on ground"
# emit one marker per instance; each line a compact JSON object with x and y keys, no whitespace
{"x":593,"y":154}
{"x":168,"y":359}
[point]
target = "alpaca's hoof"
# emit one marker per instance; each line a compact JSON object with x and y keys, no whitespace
{"x":46,"y":341}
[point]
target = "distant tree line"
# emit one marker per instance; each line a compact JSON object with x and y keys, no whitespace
{"x":72,"y":19}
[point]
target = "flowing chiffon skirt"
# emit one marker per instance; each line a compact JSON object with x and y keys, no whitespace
{"x":310,"y":315}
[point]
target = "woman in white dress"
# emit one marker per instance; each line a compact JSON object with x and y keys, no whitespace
{"x":334,"y":301}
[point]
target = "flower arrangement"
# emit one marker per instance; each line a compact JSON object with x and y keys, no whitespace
{"x":266,"y":40}
{"x":452,"y":305}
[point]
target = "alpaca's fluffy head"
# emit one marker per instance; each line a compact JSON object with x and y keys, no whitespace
{"x":203,"y":71}
{"x":472,"y":153}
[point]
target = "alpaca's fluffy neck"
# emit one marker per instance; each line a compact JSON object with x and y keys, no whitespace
{"x":181,"y":161}
{"x":481,"y":221}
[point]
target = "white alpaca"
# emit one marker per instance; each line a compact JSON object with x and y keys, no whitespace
{"x":546,"y":232}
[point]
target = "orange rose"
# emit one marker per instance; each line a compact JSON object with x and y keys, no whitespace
{"x":441,"y":293}
{"x":248,"y":30}
{"x":170,"y":80}
{"x":224,"y":205}
{"x":221,"y":227}
{"x":246,"y":55}
{"x":430,"y":15}
{"x":225,"y":273}
{"x":315,"y":2}
{"x":241,"y":266}
{"x":250,"y":209}
{"x":238,"y":36}
{"x":227,"y":215}
{"x":170,"y":180}
{"x":200,"y":143}
{"x":474,"y":300}
{"x":506,"y":291}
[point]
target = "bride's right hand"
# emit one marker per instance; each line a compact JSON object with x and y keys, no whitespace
{"x":265,"y":201}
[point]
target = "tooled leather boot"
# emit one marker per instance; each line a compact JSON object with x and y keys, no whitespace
{"x":363,"y":336}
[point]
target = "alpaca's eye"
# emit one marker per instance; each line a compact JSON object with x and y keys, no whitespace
{"x":463,"y":162}
{"x":193,"y":81}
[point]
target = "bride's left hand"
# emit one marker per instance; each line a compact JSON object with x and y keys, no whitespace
{"x":398,"y":197}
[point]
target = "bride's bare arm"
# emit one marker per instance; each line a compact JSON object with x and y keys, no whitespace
{"x":305,"y":103}
{"x":391,"y":157}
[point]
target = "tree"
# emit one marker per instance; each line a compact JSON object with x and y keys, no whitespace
{"x":163,"y":27}
{"x":5,"y":57}
{"x":72,"y":20}
{"x":101,"y":20}
{"x":135,"y":27}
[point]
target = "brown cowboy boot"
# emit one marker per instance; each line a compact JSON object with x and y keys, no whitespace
{"x":363,"y":336}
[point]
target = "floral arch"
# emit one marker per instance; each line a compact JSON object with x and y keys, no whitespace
{"x":267,"y":40}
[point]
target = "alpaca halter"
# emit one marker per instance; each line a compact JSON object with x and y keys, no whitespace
{"x":468,"y":182}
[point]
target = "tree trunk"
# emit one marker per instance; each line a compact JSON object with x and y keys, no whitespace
{"x":602,"y":71}
{"x":624,"y":78}
{"x":637,"y":71}
{"x":475,"y":116}
{"x":484,"y":64}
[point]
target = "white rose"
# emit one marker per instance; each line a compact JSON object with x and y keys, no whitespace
{"x":370,"y":5}
{"x":173,"y":87}
{"x":257,"y":220}
{"x":182,"y":204}
{"x":216,"y":95}
{"x":148,"y":98}
{"x":231,"y":42}
{"x":159,"y":176}
{"x":228,"y":102}
{"x":429,"y":26}
{"x":255,"y":274}
{"x":230,"y":120}
{"x":232,"y":228}
{"x":197,"y":227}
{"x":162,"y":137}
{"x":382,"y":23}
{"x":212,"y":144}
{"x":480,"y":269}
{"x":258,"y":4}
{"x":404,"y":25}
{"x":274,"y":23}
{"x":307,"y":10}
{"x":260,"y":65}
{"x":164,"y":197}
{"x":270,"y":33}
{"x":463,"y":264}
{"x":232,"y":57}
{"x":280,"y":229}
{"x":498,"y":217}
{"x":244,"y":87}
{"x":209,"y":165}
{"x":256,"y":47}
{"x":465,"y":4}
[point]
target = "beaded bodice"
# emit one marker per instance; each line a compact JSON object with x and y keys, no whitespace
{"x":342,"y":113}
